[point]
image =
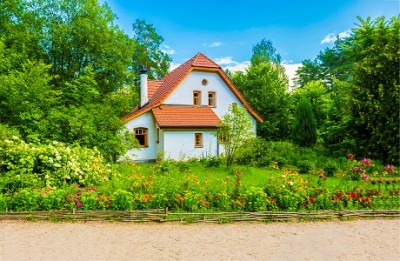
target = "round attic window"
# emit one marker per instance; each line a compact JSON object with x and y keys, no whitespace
{"x":204,"y":82}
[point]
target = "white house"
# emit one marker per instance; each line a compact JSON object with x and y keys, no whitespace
{"x":178,"y":115}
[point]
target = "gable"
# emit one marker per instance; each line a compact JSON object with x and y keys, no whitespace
{"x":183,"y":94}
{"x":172,"y":80}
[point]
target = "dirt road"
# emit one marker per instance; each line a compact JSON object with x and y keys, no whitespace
{"x":345,"y":240}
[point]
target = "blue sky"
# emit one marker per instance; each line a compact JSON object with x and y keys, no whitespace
{"x":225,"y":31}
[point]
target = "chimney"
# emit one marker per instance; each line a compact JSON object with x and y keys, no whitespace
{"x":143,"y":87}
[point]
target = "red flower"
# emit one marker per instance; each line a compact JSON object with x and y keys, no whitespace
{"x":79,"y":204}
{"x":350,"y":156}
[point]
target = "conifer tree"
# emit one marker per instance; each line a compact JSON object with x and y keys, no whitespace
{"x":305,"y":127}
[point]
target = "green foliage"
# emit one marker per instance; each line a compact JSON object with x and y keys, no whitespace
{"x":305,"y":166}
{"x":264,"y":85}
{"x":147,"y":43}
{"x":235,"y":129}
{"x":304,"y":129}
{"x":375,"y":87}
{"x":53,"y":164}
{"x":139,"y":186}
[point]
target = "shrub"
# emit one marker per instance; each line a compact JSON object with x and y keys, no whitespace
{"x":330,"y":167}
{"x":53,"y":163}
{"x":305,"y":166}
{"x":212,"y":161}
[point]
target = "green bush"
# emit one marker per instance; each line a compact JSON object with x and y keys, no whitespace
{"x":330,"y":167}
{"x":54,"y":163}
{"x":305,"y":166}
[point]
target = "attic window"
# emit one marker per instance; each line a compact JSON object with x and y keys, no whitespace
{"x":196,"y":98}
{"x":211,"y":99}
{"x":204,"y":82}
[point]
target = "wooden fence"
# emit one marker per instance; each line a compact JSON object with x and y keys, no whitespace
{"x":163,"y":215}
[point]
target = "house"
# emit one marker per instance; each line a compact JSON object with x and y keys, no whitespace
{"x":178,"y":115}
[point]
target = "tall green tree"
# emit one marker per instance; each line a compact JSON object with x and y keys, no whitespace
{"x":81,"y":33}
{"x":305,"y":127}
{"x":319,"y":97}
{"x":330,"y":64}
{"x":375,"y":87}
{"x":65,"y":73}
{"x":147,"y":50}
{"x":265,"y":84}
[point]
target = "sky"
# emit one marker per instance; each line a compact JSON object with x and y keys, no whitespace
{"x":226,"y":31}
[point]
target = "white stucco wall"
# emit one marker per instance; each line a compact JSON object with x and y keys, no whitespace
{"x":145,"y":120}
{"x":179,"y":145}
{"x":184,"y":93}
{"x":224,"y":96}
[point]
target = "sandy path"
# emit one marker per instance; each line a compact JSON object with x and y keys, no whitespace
{"x":346,"y":240}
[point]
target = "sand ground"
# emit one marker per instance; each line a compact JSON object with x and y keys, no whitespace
{"x":336,"y":240}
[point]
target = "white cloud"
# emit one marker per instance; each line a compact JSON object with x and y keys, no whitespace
{"x":290,"y":70}
{"x":331,"y":37}
{"x":233,"y":66}
{"x":225,"y":60}
{"x":173,"y":66}
{"x":167,"y":50}
{"x":214,"y":44}
{"x":242,"y":66}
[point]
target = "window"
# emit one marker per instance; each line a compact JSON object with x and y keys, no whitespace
{"x":141,"y":136}
{"x":158,"y":135}
{"x":211,"y":99}
{"x":197,"y":98}
{"x":198,"y":140}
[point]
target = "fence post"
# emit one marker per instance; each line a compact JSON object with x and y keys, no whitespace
{"x":166,"y":213}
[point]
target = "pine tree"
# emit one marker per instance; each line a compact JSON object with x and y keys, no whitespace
{"x":305,"y":127}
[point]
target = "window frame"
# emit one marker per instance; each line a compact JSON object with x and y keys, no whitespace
{"x":213,"y":99}
{"x":197,"y":99}
{"x":145,"y":133}
{"x":198,"y":140}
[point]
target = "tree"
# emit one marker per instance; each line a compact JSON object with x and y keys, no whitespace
{"x":264,"y":85}
{"x":234,"y":131}
{"x":330,"y":64}
{"x":264,"y":51}
{"x":65,"y":73}
{"x":304,"y":129}
{"x":375,"y":99}
{"x":319,"y":98}
{"x":79,"y":34}
{"x":147,"y":43}
{"x":307,"y":72}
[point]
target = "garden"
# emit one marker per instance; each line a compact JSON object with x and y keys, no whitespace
{"x":54,"y":176}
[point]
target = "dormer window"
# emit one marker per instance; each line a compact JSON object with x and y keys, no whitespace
{"x":196,"y":98}
{"x":212,"y":99}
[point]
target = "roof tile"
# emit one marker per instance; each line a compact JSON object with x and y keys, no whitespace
{"x":185,"y":116}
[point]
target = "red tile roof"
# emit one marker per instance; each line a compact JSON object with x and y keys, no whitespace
{"x":152,"y":87}
{"x":163,"y":88}
{"x":185,"y":117}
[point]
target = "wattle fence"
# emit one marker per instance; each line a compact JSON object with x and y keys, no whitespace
{"x":163,"y":215}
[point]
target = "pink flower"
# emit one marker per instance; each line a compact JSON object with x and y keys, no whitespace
{"x":79,"y":204}
{"x":389,"y":168}
{"x":350,"y":156}
{"x":364,"y":160}
{"x":356,"y":169}
{"x":365,"y":177}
